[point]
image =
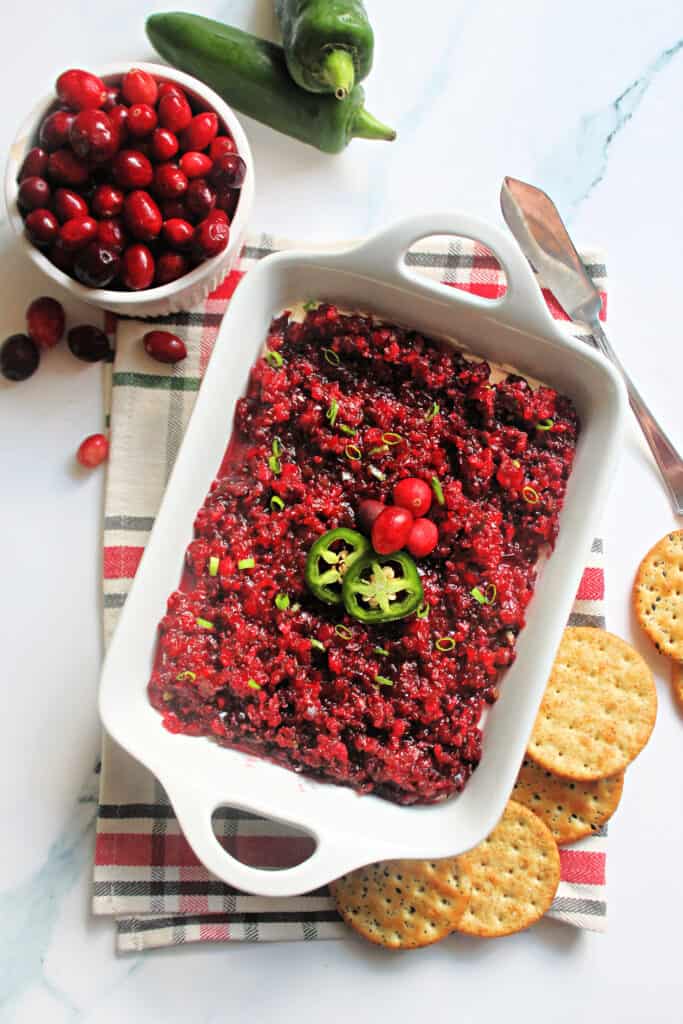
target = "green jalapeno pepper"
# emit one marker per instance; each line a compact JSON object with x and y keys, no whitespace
{"x":329,"y":560}
{"x":381,"y":588}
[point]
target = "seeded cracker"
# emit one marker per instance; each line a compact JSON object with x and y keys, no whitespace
{"x":514,"y":875}
{"x":677,"y":682}
{"x":404,"y":904}
{"x":571,"y":810}
{"x":598,"y":709}
{"x":658,"y":595}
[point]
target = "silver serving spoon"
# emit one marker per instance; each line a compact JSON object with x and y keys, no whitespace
{"x":535,"y":222}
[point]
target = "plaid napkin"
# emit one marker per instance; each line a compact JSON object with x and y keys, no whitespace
{"x":145,"y":874}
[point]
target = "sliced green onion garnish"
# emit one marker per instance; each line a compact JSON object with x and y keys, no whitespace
{"x":282,"y":602}
{"x":438,"y":490}
{"x":317,"y":645}
{"x":343,"y":631}
{"x":296,"y":607}
{"x":331,"y":357}
{"x":274,"y":465}
{"x":276,"y":446}
{"x":344,"y":428}
{"x":380,"y":650}
{"x":186,"y":675}
{"x":353,"y":453}
{"x":432,"y":412}
{"x":491,"y":592}
{"x":516,"y":463}
{"x":445,"y":643}
{"x":423,"y":611}
{"x":530,"y":495}
{"x":246,"y":563}
{"x":253,"y":685}
{"x":276,"y":502}
{"x":380,"y":450}
{"x":273,"y":358}
{"x":377,"y":473}
{"x":478,"y":595}
{"x":332,"y":411}
{"x":545,"y":425}
{"x":310,"y":306}
{"x":383,"y":681}
{"x":213,"y":565}
{"x":204,"y":623}
{"x":486,"y":596}
{"x":390,"y":437}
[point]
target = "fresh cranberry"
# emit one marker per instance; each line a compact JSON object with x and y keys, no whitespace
{"x":175,"y":113}
{"x":211,"y":236}
{"x":165,"y":144}
{"x":423,"y":538}
{"x":368,"y":510}
{"x":142,"y":216}
{"x":414,"y":494}
{"x":138,"y":86}
{"x":93,"y":450}
{"x":226,"y":199}
{"x":42,"y":227}
{"x":61,"y":258}
{"x":132,"y":169}
{"x":66,"y":169}
{"x":107,"y":201}
{"x":169,"y":181}
{"x":55,"y":129}
{"x":110,"y":233}
{"x":228,"y":170}
{"x":45,"y":321}
{"x":142,"y":120}
{"x":170,"y":266}
{"x":195,"y":165}
{"x":96,"y":266}
{"x":34,"y":193}
{"x":113,"y":98}
{"x":19,"y":357}
{"x":77,"y":232}
{"x":88,"y":343}
{"x":92,"y":136}
{"x":173,"y":208}
{"x":118,"y":116}
{"x":390,"y":529}
{"x":200,"y":131}
{"x":200,"y":198}
{"x":137,"y":267}
{"x":69,"y":204}
{"x":164,"y":346}
{"x":222,"y":144}
{"x":177,"y":232}
{"x":169,"y":89}
{"x":34,"y":164}
{"x":80,"y":90}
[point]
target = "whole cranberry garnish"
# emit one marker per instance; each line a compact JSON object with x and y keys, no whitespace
{"x":80,"y":90}
{"x":170,"y":266}
{"x":226,"y":199}
{"x":66,"y":169}
{"x":171,"y":208}
{"x":177,"y":232}
{"x":222,"y":144}
{"x":142,"y":120}
{"x":107,"y":201}
{"x":93,"y":451}
{"x":132,"y":169}
{"x":61,"y":257}
{"x":110,"y":233}
{"x":19,"y":357}
{"x":211,"y":236}
{"x":175,"y":113}
{"x":88,"y":343}
{"x":137,"y":267}
{"x":33,"y":193}
{"x":77,"y":232}
{"x":169,"y":181}
{"x":169,"y":89}
{"x":92,"y":136}
{"x":200,"y":131}
{"x":390,"y":529}
{"x":139,"y":86}
{"x":200,"y":198}
{"x":164,"y":346}
{"x":142,"y":216}
{"x":34,"y":164}
{"x":42,"y":227}
{"x":69,"y":204}
{"x":228,"y":170}
{"x":423,"y":538}
{"x":195,"y":165}
{"x":113,"y":97}
{"x":165,"y":144}
{"x":45,"y":321}
{"x":414,"y":494}
{"x":368,"y":510}
{"x":55,"y":129}
{"x":96,"y":266}
{"x":118,"y":116}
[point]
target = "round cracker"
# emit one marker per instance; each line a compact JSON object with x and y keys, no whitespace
{"x":514,"y":875}
{"x":658,"y":595}
{"x":571,"y":810}
{"x":677,"y":682}
{"x":403,"y":904}
{"x":598,"y":709}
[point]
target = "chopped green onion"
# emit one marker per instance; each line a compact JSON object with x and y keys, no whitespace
{"x":276,"y":447}
{"x":331,"y":357}
{"x":353,"y":453}
{"x":317,"y":645}
{"x":296,"y":607}
{"x":276,"y":502}
{"x":383,"y":681}
{"x":434,"y":411}
{"x":332,"y":411}
{"x":343,"y":631}
{"x":423,"y":611}
{"x":516,"y":463}
{"x":186,"y":675}
{"x":213,"y":565}
{"x":273,"y":358}
{"x":545,"y":425}
{"x":487,"y":596}
{"x":282,"y":602}
{"x":390,"y":437}
{"x":478,"y":595}
{"x":491,"y":592}
{"x":530,"y":495}
{"x":246,"y":563}
{"x":379,"y":450}
{"x":310,"y":306}
{"x":380,"y":650}
{"x":444,"y":644}
{"x":274,"y":465}
{"x":438,"y":490}
{"x":204,"y":623}
{"x":377,"y":473}
{"x":253,"y":685}
{"x":343,"y":428}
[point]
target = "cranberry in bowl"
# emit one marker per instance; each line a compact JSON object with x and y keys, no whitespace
{"x":120,"y":159}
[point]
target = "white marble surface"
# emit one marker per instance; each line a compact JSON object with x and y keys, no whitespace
{"x":583,"y":99}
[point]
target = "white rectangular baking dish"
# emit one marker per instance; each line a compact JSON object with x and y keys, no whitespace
{"x":200,"y":776}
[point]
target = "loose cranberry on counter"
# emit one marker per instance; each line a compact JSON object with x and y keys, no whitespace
{"x":34,"y":164}
{"x":93,"y":451}
{"x":222,"y":144}
{"x":200,"y":131}
{"x":92,"y":136}
{"x":423,"y":538}
{"x":19,"y":357}
{"x":142,"y":216}
{"x":55,"y":129}
{"x":66,"y":169}
{"x":80,"y":90}
{"x":195,"y":165}
{"x":173,"y":208}
{"x":142,"y":120}
{"x":118,"y":116}
{"x":42,"y":227}
{"x":177,"y":232}
{"x":110,"y":233}
{"x":226,"y":199}
{"x":96,"y":266}
{"x":165,"y":144}
{"x":164,"y":346}
{"x":34,"y":193}
{"x":169,"y":181}
{"x":414,"y":494}
{"x":170,"y":266}
{"x":211,"y":236}
{"x":69,"y":204}
{"x":107,"y":201}
{"x":175,"y":113}
{"x":132,"y":169}
{"x":390,"y":529}
{"x":77,"y":232}
{"x":138,"y":86}
{"x":137,"y":267}
{"x":368,"y":510}
{"x":45,"y":321}
{"x":228,"y":170}
{"x":200,"y":198}
{"x":61,"y":258}
{"x":88,"y":343}
{"x":113,"y":98}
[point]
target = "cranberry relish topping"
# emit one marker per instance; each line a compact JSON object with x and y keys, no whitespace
{"x":249,"y":656}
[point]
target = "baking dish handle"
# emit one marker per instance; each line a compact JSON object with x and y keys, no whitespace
{"x":383,"y":256}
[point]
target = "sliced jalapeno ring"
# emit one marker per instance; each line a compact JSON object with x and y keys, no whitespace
{"x":329,"y":560}
{"x":381,"y":588}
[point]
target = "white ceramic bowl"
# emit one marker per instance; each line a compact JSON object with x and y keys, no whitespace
{"x":188,"y":290}
{"x":199,"y":775}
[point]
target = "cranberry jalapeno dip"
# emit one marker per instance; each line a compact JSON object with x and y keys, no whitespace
{"x":339,"y":411}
